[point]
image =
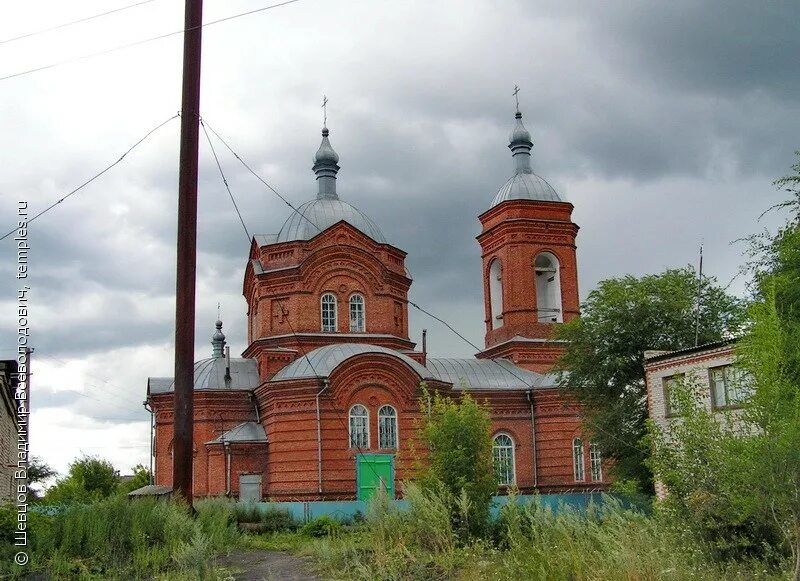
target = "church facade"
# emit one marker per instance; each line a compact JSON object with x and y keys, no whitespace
{"x":325,"y":400}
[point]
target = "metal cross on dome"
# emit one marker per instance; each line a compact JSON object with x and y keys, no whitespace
{"x":324,"y":111}
{"x":516,"y":95}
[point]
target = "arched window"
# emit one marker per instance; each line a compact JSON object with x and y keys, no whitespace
{"x":503,"y":459}
{"x":387,"y":428}
{"x":496,"y":294}
{"x":577,"y":460}
{"x":548,"y":288}
{"x":595,"y":462}
{"x":328,"y":312}
{"x":359,"y":427}
{"x":357,"y":324}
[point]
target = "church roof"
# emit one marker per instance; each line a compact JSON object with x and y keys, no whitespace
{"x":320,"y":214}
{"x":210,"y":374}
{"x":322,"y":361}
{"x":487,"y":374}
{"x":245,"y":432}
{"x":524,"y":184}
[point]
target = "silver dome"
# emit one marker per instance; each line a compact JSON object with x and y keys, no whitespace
{"x":526,"y":186}
{"x":320,"y":214}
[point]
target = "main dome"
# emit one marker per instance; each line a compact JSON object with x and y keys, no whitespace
{"x":526,"y":186}
{"x":320,"y":214}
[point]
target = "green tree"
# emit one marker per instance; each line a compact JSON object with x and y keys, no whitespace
{"x":603,"y":362}
{"x":457,"y":435}
{"x":39,"y":472}
{"x":141,"y":477}
{"x":88,"y":479}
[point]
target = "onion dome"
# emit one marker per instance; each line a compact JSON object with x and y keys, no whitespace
{"x":218,"y":341}
{"x":524,"y":184}
{"x":327,"y":209}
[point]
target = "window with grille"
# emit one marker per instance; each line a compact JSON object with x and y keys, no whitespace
{"x":328,"y":313}
{"x":357,"y":324}
{"x":730,"y":386}
{"x":359,"y":427}
{"x":577,"y":460}
{"x":503,"y":459}
{"x":387,"y":427}
{"x":596,"y":462}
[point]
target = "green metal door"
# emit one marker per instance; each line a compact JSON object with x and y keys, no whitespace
{"x":374,"y":471}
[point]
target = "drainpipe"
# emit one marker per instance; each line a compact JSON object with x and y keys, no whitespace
{"x":228,"y":366}
{"x":147,"y":406}
{"x":227,"y":468}
{"x":533,"y":440}
{"x":319,"y":437}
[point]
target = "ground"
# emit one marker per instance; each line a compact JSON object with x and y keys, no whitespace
{"x":268,"y":565}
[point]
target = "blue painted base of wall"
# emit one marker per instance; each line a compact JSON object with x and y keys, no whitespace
{"x":347,"y":509}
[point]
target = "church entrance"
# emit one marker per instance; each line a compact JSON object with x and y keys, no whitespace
{"x":374,"y":472}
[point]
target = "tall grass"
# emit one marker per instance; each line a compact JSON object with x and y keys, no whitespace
{"x":120,"y":538}
{"x":529,"y":541}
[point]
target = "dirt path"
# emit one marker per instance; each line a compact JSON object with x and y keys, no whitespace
{"x":268,"y":566}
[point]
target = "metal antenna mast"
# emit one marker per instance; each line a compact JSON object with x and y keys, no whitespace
{"x":699,"y":287}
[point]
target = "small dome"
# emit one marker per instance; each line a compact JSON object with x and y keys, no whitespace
{"x":519,"y":135}
{"x":325,"y":154}
{"x":320,"y":214}
{"x":526,"y":186}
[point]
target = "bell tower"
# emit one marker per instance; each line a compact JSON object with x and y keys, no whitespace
{"x":530,"y":278}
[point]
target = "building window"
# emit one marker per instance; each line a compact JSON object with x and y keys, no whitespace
{"x":503,"y":458}
{"x":548,"y":288}
{"x":359,"y":427}
{"x":595,"y":462}
{"x":671,"y":386}
{"x":577,"y":460}
{"x":730,"y":386}
{"x":495,"y":294}
{"x":328,"y":313}
{"x":357,"y":314}
{"x":387,"y":428}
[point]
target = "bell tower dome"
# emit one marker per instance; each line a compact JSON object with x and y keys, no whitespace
{"x":530,"y":277}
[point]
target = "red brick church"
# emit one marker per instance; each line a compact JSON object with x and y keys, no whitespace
{"x":322,"y":405}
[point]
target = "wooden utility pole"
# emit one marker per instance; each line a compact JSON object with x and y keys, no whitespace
{"x":187,"y":253}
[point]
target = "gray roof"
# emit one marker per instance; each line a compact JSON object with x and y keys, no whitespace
{"x":246,"y":432}
{"x":487,"y":374}
{"x":151,"y":490}
{"x":210,"y":374}
{"x":526,"y":186}
{"x":325,"y":359}
{"x":318,"y":215}
{"x":265,"y":239}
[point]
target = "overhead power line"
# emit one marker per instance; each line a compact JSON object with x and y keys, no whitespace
{"x":144,"y":41}
{"x":225,"y":181}
{"x":73,"y":22}
{"x":94,"y":177}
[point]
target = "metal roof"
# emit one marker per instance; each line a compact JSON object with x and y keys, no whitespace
{"x":318,"y":215}
{"x":487,"y":374}
{"x":246,"y":432}
{"x":689,"y":350}
{"x":210,"y":374}
{"x":526,"y":186}
{"x":322,"y":361}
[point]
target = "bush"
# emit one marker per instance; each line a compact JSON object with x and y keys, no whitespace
{"x":277,"y":520}
{"x":322,"y":526}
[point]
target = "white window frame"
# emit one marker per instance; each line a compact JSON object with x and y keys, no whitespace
{"x":595,"y":462}
{"x":363,"y":425}
{"x":578,"y":460}
{"x":500,"y":450}
{"x":385,"y":420}
{"x":736,"y":388}
{"x":359,"y":301}
{"x":322,"y":305}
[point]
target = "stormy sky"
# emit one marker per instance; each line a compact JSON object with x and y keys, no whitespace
{"x":663,"y":123}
